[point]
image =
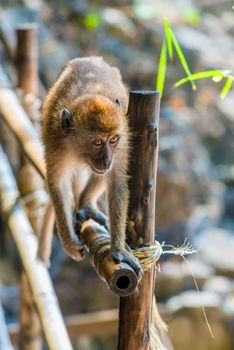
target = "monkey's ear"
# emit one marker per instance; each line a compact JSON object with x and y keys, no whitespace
{"x":66,"y":120}
{"x":117,"y":102}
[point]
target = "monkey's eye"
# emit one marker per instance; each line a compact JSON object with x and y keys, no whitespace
{"x":98,"y":142}
{"x":114,"y":139}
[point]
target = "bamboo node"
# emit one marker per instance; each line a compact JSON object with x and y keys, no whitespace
{"x":9,"y":203}
{"x":98,"y":243}
{"x":99,"y":249}
{"x":99,"y":257}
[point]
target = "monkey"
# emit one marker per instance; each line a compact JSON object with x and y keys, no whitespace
{"x":86,"y":140}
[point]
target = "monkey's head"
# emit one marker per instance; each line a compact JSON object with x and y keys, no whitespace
{"x":97,"y":128}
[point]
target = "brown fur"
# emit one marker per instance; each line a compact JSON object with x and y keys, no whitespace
{"x":83,"y":77}
{"x":89,"y":88}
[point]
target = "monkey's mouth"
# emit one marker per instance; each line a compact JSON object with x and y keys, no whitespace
{"x":98,"y":172}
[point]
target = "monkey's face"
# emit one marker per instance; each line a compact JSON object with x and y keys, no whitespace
{"x":102,"y":148}
{"x":95,"y":127}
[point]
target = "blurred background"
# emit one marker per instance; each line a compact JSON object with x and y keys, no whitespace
{"x":195,"y":185}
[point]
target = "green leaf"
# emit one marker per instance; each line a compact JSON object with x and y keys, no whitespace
{"x":167,"y":31}
{"x":201,"y":75}
{"x":162,"y":69}
{"x":217,"y":78}
{"x":182,"y":59}
{"x":227,"y":87}
{"x":92,"y":20}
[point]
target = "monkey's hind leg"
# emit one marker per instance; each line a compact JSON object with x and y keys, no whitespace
{"x":118,"y":206}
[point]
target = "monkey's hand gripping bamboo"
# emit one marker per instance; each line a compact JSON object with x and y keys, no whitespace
{"x":120,"y":277}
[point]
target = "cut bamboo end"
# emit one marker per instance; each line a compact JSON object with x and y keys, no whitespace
{"x":123,"y":280}
{"x":119,"y":277}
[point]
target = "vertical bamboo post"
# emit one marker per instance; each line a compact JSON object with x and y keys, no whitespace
{"x":27,"y":73}
{"x":27,"y":58}
{"x":135,"y":310}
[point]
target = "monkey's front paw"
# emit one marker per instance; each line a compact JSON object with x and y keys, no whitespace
{"x":87,"y":213}
{"x":122,"y":255}
{"x":76,"y":251}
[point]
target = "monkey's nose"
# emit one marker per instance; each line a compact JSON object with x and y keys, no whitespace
{"x":107,"y":163}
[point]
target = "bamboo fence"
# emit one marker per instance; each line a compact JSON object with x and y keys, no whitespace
{"x":41,"y":287}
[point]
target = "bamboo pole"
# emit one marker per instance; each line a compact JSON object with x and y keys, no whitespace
{"x":5,"y":342}
{"x":40,"y":284}
{"x":30,"y":334}
{"x":23,"y":129}
{"x":119,"y":277}
{"x":26,"y":58}
{"x":27,"y":74}
{"x":135,"y":314}
{"x":7,"y":139}
{"x":10,"y":49}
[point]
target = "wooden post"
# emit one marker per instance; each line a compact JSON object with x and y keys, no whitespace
{"x":135,"y":310}
{"x":27,"y":58}
{"x":27,"y":73}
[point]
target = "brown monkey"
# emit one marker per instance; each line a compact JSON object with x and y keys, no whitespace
{"x":85,"y":134}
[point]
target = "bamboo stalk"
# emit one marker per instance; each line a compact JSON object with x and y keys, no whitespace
{"x":30,"y":335}
{"x":8,"y":42}
{"x":19,"y":123}
{"x":5,"y":342}
{"x":119,"y":277}
{"x":40,"y":284}
{"x":135,"y":314}
{"x":26,"y":58}
{"x":27,"y":73}
{"x":7,"y":139}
